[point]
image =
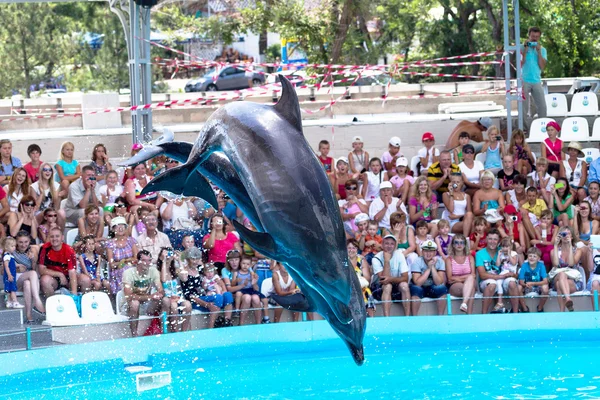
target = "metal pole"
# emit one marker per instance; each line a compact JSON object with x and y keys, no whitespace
{"x":507,"y":68}
{"x":164,"y":322}
{"x":28,"y":338}
{"x":595,"y":300}
{"x":134,"y":21}
{"x":146,"y":75}
{"x":449,"y":304}
{"x":519,"y":68}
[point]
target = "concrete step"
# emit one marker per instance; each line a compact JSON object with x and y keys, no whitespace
{"x":16,"y":338}
{"x":10,"y":319}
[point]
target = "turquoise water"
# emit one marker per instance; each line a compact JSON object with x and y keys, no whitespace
{"x":531,"y":364}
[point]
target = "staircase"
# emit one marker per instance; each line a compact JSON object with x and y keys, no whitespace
{"x":13,"y":333}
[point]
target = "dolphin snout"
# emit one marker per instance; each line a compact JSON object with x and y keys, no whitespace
{"x":358,"y":354}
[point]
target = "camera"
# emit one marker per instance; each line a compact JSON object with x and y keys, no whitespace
{"x":454,"y":186}
{"x":563,"y":234}
{"x":498,"y":138}
{"x":514,"y":218}
{"x":225,"y":197}
{"x":531,"y":44}
{"x":170,"y":253}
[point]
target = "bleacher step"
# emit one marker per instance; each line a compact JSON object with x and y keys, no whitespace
{"x":16,"y":338}
{"x":10,"y":318}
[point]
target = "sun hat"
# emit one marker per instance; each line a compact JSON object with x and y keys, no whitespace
{"x":428,"y":245}
{"x":361,"y":218}
{"x":427,"y":136}
{"x":486,"y":122}
{"x":385,"y":185}
{"x":553,"y":124}
{"x":493,"y":216}
{"x":343,"y":159}
{"x":390,"y":237}
{"x":117,"y":221}
{"x":576,"y":146}
{"x":357,"y":139}
{"x":137,"y":146}
{"x":395,"y":141}
{"x":402,"y":162}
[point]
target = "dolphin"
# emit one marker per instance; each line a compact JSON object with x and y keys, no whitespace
{"x":295,"y":211}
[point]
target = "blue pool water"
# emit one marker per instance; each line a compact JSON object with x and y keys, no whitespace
{"x":452,"y":359}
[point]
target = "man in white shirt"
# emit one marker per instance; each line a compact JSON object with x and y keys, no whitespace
{"x":153,"y":240}
{"x":391,"y":270}
{"x":385,"y":205}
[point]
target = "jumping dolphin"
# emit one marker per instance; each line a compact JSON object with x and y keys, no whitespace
{"x":291,"y":198}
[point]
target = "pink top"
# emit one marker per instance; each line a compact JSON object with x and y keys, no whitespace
{"x":553,"y":150}
{"x":219,"y":251}
{"x":461,"y":269}
{"x":398,"y":182}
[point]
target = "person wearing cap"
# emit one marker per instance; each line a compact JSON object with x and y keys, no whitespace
{"x":439,"y":174}
{"x":552,"y":148}
{"x":428,"y":278}
{"x":513,"y":228}
{"x":382,"y":207}
{"x":353,"y":206}
{"x":391,"y":276}
{"x":475,"y":130}
{"x":429,"y":154}
{"x":339,"y":177}
{"x":575,"y":170}
{"x":121,"y":253}
{"x":358,"y":158}
{"x":457,"y":153}
{"x":471,"y":170}
{"x":389,"y":157}
{"x":402,"y":182}
{"x":533,"y":61}
{"x":488,"y":271}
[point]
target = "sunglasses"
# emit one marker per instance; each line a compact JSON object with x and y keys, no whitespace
{"x":93,"y":178}
{"x":29,"y":204}
{"x":458,"y":242}
{"x":47,"y":169}
{"x":351,"y":187}
{"x":121,"y":206}
{"x":469,"y":152}
{"x":52,"y":215}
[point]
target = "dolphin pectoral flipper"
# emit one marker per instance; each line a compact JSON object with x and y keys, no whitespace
{"x":196,"y":185}
{"x":261,"y":242}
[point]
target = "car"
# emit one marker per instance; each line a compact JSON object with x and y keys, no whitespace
{"x":296,"y":77}
{"x":228,"y":78}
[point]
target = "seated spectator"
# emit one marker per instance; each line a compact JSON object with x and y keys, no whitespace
{"x":363,"y":271}
{"x":443,"y":239}
{"x":4,"y":209}
{"x":594,"y":170}
{"x":471,"y":170}
{"x":402,"y":182}
{"x":385,"y":205}
{"x":100,"y":163}
{"x":477,"y":240}
{"x":428,"y":155}
{"x":593,"y":283}
{"x":423,"y":204}
{"x":83,"y":192}
{"x":358,"y":158}
{"x":513,"y":228}
{"x":422,"y":235}
{"x":68,"y":168}
{"x":439,"y":174}
{"x":521,"y":152}
{"x":458,"y":152}
{"x":371,"y":241}
{"x":251,"y":295}
{"x":494,"y":150}
{"x":545,"y":236}
{"x":508,"y":261}
{"x":33,"y":167}
{"x":286,"y":294}
{"x":121,"y":253}
{"x":46,"y":192}
{"x":405,"y":236}
{"x":564,"y":276}
{"x":111,"y":190}
{"x":17,"y":189}
{"x":49,"y":217}
{"x":57,"y":266}
{"x":516,"y":195}
{"x":179,"y":220}
{"x":460,"y":272}
{"x":153,"y":240}
{"x":352,"y":206}
{"x":552,"y":148}
{"x":583,"y":226}
{"x":487,"y":198}
{"x":532,"y":210}
{"x":362,"y":222}
{"x":390,"y":280}
{"x":120,"y":210}
{"x":372,"y":180}
{"x":90,"y":224}
{"x":339,"y":177}
{"x":26,"y":257}
{"x":391,"y":155}
{"x":594,"y":200}
{"x":133,"y":190}
{"x":324,"y":156}
{"x":562,"y":200}
{"x":218,"y":242}
{"x":533,"y":278}
{"x":191,"y":284}
{"x":541,"y":180}
{"x":575,"y":170}
{"x":232,"y":265}
{"x":8,"y":163}
{"x":458,"y":207}
{"x":507,"y":174}
{"x":489,"y":271}
{"x":143,"y":290}
{"x":24,"y":219}
{"x":91,"y":262}
{"x":177,"y":304}
{"x":428,"y":278}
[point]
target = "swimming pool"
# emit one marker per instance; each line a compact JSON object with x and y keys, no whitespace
{"x":467,"y":357}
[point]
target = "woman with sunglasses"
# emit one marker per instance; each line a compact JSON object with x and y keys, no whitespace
{"x":24,"y":219}
{"x":460,"y":271}
{"x":46,"y":192}
{"x":353,"y":205}
{"x":471,"y":170}
{"x":120,"y":209}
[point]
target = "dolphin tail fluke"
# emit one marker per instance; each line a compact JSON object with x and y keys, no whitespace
{"x":172,"y":180}
{"x":179,"y":151}
{"x":197,"y":185}
{"x":261,"y":242}
{"x":144,"y":154}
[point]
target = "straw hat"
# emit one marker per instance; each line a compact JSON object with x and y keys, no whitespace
{"x":576,"y":146}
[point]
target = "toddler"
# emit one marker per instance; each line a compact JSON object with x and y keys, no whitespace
{"x":444,"y":238}
{"x":372,"y":241}
{"x":507,"y":260}
{"x":10,"y":272}
{"x":211,"y":282}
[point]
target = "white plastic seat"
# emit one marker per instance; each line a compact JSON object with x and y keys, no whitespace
{"x":584,"y":103}
{"x":596,"y":131}
{"x":413,"y":166}
{"x":591,"y":154}
{"x":556,"y":105}
{"x":537,"y":130}
{"x":71,"y":235}
{"x":61,"y":311}
{"x":96,"y":307}
{"x":481,"y":157}
{"x":575,"y":129}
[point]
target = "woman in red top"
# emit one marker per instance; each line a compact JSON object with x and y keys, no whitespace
{"x":218,"y":242}
{"x":513,"y":228}
{"x":552,"y":148}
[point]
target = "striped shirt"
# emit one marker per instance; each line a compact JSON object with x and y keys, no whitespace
{"x":435,"y":173}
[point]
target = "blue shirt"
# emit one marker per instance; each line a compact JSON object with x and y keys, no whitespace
{"x":532,"y":73}
{"x":8,"y":169}
{"x":484,"y":259}
{"x":532,"y":275}
{"x":594,"y":171}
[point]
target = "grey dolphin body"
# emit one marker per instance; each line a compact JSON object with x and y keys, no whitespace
{"x":292,"y":200}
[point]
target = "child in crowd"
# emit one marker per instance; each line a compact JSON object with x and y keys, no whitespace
{"x":158,"y":165}
{"x":477,"y":239}
{"x":422,"y":235}
{"x":111,"y":190}
{"x":33,"y":167}
{"x":372,"y":180}
{"x":533,"y":277}
{"x":8,"y":163}
{"x":67,"y":168}
{"x":444,"y":238}
{"x":562,"y":201}
{"x":90,"y":263}
{"x":362,"y":222}
{"x":10,"y":272}
{"x":251,"y":296}
{"x":211,"y":282}
{"x":542,"y":180}
{"x":545,"y":237}
{"x":324,"y":156}
{"x":552,"y":149}
{"x":402,"y":182}
{"x":507,"y":261}
{"x":49,"y":221}
{"x":358,"y":158}
{"x":594,"y":200}
{"x":512,"y":228}
{"x":457,"y":153}
{"x":100,"y":163}
{"x":371,"y":241}
{"x":429,"y":154}
{"x":493,"y":149}
{"x":507,"y":174}
{"x":139,"y":216}
{"x":522,"y":156}
{"x":389,"y":157}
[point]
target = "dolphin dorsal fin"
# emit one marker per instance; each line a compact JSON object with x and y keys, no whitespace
{"x":288,"y":106}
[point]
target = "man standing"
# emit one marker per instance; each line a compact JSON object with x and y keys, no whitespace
{"x":82,"y":193}
{"x":385,"y":205}
{"x":390,"y":267}
{"x":153,"y":240}
{"x":57,"y":263}
{"x":138,"y":283}
{"x":533,"y":62}
{"x":439,"y":173}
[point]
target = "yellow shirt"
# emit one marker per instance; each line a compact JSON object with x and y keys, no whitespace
{"x":540,"y":205}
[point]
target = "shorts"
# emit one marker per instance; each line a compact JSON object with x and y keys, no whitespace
{"x":377,"y":291}
{"x":219,"y":300}
{"x":485,"y":283}
{"x":431,"y":292}
{"x":533,"y":289}
{"x":593,"y":278}
{"x":506,"y":282}
{"x":252,"y":291}
{"x":534,"y":220}
{"x":57,"y":279}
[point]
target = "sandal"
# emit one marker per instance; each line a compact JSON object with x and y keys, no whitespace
{"x":569,"y":305}
{"x":498,"y":307}
{"x":540,"y":309}
{"x":524,"y":310}
{"x":464,"y":308}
